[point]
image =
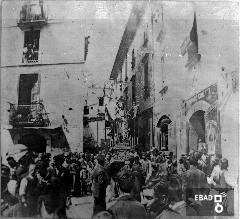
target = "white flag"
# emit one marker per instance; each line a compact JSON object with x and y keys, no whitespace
{"x":185,"y":45}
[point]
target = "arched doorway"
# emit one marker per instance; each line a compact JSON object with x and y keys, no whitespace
{"x":162,"y":124}
{"x":196,"y":131}
{"x":34,"y":142}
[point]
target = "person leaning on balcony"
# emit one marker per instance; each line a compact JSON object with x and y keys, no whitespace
{"x":30,"y":52}
{"x":25,"y":50}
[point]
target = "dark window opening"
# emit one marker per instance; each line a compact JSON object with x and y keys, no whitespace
{"x":126,"y":93}
{"x":145,"y":38}
{"x":31,"y":46}
{"x":27,"y":85}
{"x":101,"y":101}
{"x":86,"y":110}
{"x":126,"y":66}
{"x":133,"y":59}
{"x":146,"y":80}
{"x":134,"y":89}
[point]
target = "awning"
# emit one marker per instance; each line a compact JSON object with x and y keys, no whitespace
{"x":16,"y":148}
{"x":58,"y":136}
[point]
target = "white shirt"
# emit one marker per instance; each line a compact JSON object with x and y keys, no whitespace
{"x":176,"y":205}
{"x":215,"y":175}
{"x":23,"y":185}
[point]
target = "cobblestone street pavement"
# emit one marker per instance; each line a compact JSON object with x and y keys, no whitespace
{"x":81,"y":208}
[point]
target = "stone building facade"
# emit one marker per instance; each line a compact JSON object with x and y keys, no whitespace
{"x":42,"y":82}
{"x":191,"y":89}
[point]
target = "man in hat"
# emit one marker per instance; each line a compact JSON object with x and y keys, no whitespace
{"x":147,"y":166}
{"x":99,"y":185}
{"x":158,"y":206}
{"x":13,"y":166}
{"x":126,"y":206}
{"x":63,"y":175}
{"x":177,"y":203}
{"x":139,"y":179}
{"x":28,"y":193}
{"x":83,"y":180}
{"x":194,"y":180}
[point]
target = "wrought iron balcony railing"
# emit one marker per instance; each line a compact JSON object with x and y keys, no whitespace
{"x":33,"y":115}
{"x":30,"y":57}
{"x":32,"y":15}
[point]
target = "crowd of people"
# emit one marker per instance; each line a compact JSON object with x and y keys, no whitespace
{"x":39,"y":184}
{"x":150,"y":184}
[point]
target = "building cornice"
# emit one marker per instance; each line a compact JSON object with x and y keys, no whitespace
{"x":51,"y":64}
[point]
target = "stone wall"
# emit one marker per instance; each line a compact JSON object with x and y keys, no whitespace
{"x":61,"y":91}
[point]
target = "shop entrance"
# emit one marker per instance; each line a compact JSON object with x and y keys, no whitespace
{"x":196,"y":131}
{"x":34,"y":142}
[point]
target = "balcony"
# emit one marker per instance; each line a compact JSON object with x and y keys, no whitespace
{"x":32,"y":15}
{"x":30,"y":56}
{"x":33,"y":115}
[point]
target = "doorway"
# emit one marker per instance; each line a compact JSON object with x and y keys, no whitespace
{"x":163,"y":124}
{"x":27,"y":82}
{"x":196,"y":132}
{"x":34,"y":142}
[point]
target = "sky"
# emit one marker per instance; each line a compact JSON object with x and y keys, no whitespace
{"x":109,"y":19}
{"x":105,"y":22}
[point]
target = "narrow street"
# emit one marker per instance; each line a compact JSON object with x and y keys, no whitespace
{"x":134,"y":102}
{"x":81,"y":208}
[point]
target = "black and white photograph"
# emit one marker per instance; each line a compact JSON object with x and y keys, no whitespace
{"x":119,"y":109}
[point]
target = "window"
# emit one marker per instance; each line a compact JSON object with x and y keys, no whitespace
{"x":125,"y":98}
{"x":126,"y":93}
{"x":145,"y":37}
{"x":126,"y":66}
{"x":146,"y":79}
{"x":134,"y":89}
{"x":133,"y":59}
{"x":31,"y":46}
{"x":28,"y":89}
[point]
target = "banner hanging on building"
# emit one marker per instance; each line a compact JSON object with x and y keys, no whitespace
{"x":212,"y":127}
{"x":209,"y":95}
